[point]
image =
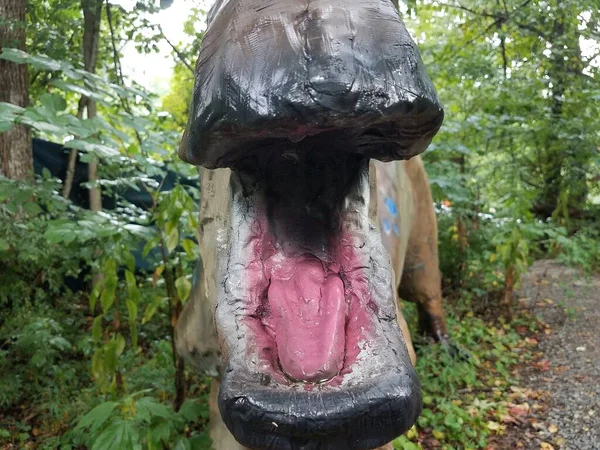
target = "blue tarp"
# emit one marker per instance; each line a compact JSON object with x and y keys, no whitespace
{"x":55,"y":157}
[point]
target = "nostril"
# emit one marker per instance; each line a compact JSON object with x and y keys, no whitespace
{"x":374,"y":132}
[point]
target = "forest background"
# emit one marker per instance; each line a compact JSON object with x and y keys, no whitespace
{"x":91,"y":283}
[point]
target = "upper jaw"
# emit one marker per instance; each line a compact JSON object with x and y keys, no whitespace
{"x":375,"y":396}
{"x":290,"y":70}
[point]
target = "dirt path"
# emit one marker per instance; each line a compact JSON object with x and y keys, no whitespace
{"x":563,"y":386}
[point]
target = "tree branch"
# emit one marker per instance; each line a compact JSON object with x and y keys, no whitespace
{"x":118,"y":67}
{"x":73,"y":153}
{"x":180,"y":55}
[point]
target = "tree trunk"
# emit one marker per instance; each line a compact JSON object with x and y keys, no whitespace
{"x":68,"y":185}
{"x":92,"y":14}
{"x":508,"y":292}
{"x":15,"y":144}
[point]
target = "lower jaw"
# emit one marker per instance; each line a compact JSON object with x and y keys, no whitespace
{"x":360,"y":416}
{"x":374,"y":398}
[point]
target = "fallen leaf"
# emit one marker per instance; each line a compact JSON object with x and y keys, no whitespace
{"x":538,"y":425}
{"x":543,"y":365}
{"x":546,"y":446}
{"x":552,"y":428}
{"x":519,"y":410}
{"x":494,"y":426}
{"x":561,"y":369}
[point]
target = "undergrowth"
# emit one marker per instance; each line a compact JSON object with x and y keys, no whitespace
{"x":465,"y":386}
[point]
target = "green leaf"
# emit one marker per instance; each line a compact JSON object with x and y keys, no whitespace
{"x":201,"y":442}
{"x":190,"y":247}
{"x":94,"y":295}
{"x":159,"y":433}
{"x":152,"y":308}
{"x":8,"y":115}
{"x":172,"y":239}
{"x":33,"y":209}
{"x":119,"y":344}
{"x":98,"y":365}
{"x":10,"y":109}
{"x":53,"y":102}
{"x":70,"y":71}
{"x":192,"y":410}
{"x":44,"y":125}
{"x":119,"y":435}
{"x":182,"y":444}
{"x":97,"y":416}
{"x":149,"y":407}
{"x":132,"y":288}
{"x":71,"y":87}
{"x":59,"y":232}
{"x":132,"y":311}
{"x":41,"y":62}
{"x":97,"y":328}
{"x":14,"y":55}
{"x":112,"y":350}
{"x":5,"y":126}
{"x":184,"y":287}
{"x":130,"y":261}
{"x":60,"y":343}
{"x":107,"y":298}
{"x":92,"y":147}
{"x":403,"y":443}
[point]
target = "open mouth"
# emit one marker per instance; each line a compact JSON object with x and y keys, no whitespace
{"x":313,"y":356}
{"x":296,"y":97}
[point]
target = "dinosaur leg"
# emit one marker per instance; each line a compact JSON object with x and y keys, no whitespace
{"x":421,"y":279}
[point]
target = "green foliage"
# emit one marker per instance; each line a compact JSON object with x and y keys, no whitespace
{"x":513,"y":171}
{"x":515,"y":163}
{"x":138,"y":421}
{"x":464,"y":395}
{"x":179,"y":98}
{"x":46,"y":239}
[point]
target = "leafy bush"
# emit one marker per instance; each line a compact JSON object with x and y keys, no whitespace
{"x":464,"y":394}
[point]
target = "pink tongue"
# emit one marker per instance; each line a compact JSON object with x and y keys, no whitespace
{"x":308,"y":310}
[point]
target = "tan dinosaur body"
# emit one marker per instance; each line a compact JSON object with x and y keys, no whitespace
{"x":403,"y":211}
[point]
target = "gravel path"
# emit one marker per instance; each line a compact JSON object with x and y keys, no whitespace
{"x":565,"y":383}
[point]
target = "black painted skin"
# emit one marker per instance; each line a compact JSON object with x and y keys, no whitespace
{"x":274,"y":71}
{"x":319,"y":75}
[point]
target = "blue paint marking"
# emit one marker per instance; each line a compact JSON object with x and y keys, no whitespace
{"x":396,"y":229}
{"x":391,"y":206}
{"x":387,"y":226}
